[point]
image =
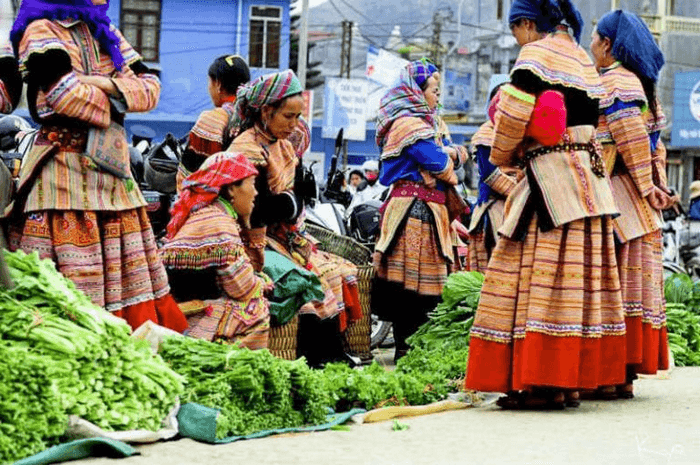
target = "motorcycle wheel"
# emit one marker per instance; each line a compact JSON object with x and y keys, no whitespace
{"x":671,"y":268}
{"x":379,"y":330}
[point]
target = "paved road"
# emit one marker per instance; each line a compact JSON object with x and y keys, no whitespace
{"x":660,"y":426}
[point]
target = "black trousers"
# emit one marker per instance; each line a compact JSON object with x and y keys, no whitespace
{"x":320,"y":341}
{"x":407,"y":310}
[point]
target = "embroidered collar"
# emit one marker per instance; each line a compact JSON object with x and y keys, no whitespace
{"x":615,"y":65}
{"x":228,"y":208}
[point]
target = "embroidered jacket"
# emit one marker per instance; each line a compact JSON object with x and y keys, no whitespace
{"x":560,"y":186}
{"x":634,"y":154}
{"x":61,"y":177}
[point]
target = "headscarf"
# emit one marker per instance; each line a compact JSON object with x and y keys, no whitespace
{"x":95,"y":16}
{"x":632,"y":43}
{"x":202,"y":187}
{"x":300,"y":138}
{"x":406,"y":98}
{"x":265,"y":90}
{"x":547,"y":14}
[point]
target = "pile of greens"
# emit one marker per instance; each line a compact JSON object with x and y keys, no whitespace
{"x":683,"y":319}
{"x":31,"y":416}
{"x":253,"y":390}
{"x":432,"y":367}
{"x":98,"y":373}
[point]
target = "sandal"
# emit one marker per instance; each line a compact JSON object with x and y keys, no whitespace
{"x":602,"y":393}
{"x":573,"y":399}
{"x":539,"y":400}
{"x":625,"y":391}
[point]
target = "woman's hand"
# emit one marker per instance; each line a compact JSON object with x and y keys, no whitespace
{"x":103,"y":83}
{"x":451,"y":152}
{"x":659,"y":199}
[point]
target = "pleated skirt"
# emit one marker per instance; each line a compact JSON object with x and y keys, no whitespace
{"x":641,"y":279}
{"x":110,"y":256}
{"x":550,"y":313}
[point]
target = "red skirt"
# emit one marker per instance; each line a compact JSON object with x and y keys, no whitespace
{"x":110,"y":256}
{"x":550,"y":313}
{"x":642,"y":284}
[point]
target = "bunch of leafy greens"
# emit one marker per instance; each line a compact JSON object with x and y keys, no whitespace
{"x":254,"y":390}
{"x":105,"y":376}
{"x":432,"y":367}
{"x":31,"y":416}
{"x":683,"y":319}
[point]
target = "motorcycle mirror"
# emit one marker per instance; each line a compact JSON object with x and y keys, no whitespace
{"x":339,"y":140}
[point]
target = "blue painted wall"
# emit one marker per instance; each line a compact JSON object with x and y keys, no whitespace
{"x":193,"y":34}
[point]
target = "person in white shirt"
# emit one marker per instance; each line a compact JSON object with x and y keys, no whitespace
{"x":370,"y":189}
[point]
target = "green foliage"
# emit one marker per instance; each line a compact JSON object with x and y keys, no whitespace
{"x":99,"y":373}
{"x":254,"y":390}
{"x":678,"y":288}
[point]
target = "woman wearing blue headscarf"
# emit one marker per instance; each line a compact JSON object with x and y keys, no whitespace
{"x":77,"y":201}
{"x":629,"y":130}
{"x":549,"y":321}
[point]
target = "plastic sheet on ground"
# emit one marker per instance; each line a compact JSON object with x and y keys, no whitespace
{"x":199,"y":423}
{"x":81,"y":449}
{"x":79,"y":428}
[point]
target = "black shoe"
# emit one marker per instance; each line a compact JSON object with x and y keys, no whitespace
{"x":399,"y":353}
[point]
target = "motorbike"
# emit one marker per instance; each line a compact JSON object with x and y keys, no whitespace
{"x":154,"y":167}
{"x":681,"y":244}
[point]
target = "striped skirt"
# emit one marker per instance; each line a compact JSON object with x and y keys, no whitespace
{"x":641,"y":281}
{"x":550,"y":313}
{"x":415,"y":258}
{"x":478,"y":256}
{"x":110,"y":256}
{"x":223,"y":321}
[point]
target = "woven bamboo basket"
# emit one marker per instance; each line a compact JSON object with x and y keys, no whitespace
{"x":283,"y":339}
{"x":358,"y":334}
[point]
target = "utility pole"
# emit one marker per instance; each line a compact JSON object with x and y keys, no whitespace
{"x":435,"y":42}
{"x":345,"y":54}
{"x":346,"y":49}
{"x":303,"y":42}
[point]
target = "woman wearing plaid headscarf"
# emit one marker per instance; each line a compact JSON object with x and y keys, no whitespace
{"x":205,"y":257}
{"x":414,"y":252}
{"x":268,"y":112}
{"x":630,"y":127}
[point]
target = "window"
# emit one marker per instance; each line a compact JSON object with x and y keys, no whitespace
{"x":265,"y":37}
{"x":499,"y":9}
{"x":140,"y":23}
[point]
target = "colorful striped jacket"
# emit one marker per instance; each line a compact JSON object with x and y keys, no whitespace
{"x":67,"y":180}
{"x":634,"y":155}
{"x":561,"y":186}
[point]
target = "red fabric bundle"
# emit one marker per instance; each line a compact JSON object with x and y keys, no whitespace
{"x":548,"y":121}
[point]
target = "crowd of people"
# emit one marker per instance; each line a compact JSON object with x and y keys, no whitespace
{"x":566,"y":228}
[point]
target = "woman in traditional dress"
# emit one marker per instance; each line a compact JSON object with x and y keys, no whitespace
{"x":631,"y":121}
{"x":414,"y":254}
{"x":268,"y":112}
{"x":212,"y":133}
{"x":77,"y":202}
{"x":550,"y":319}
{"x":494,"y":186}
{"x":10,"y":80}
{"x":206,"y":259}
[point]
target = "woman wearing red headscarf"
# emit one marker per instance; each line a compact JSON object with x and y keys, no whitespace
{"x":205,"y":256}
{"x":77,"y":201}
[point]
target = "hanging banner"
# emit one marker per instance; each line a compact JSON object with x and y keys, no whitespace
{"x":685,"y":130}
{"x":344,"y":106}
